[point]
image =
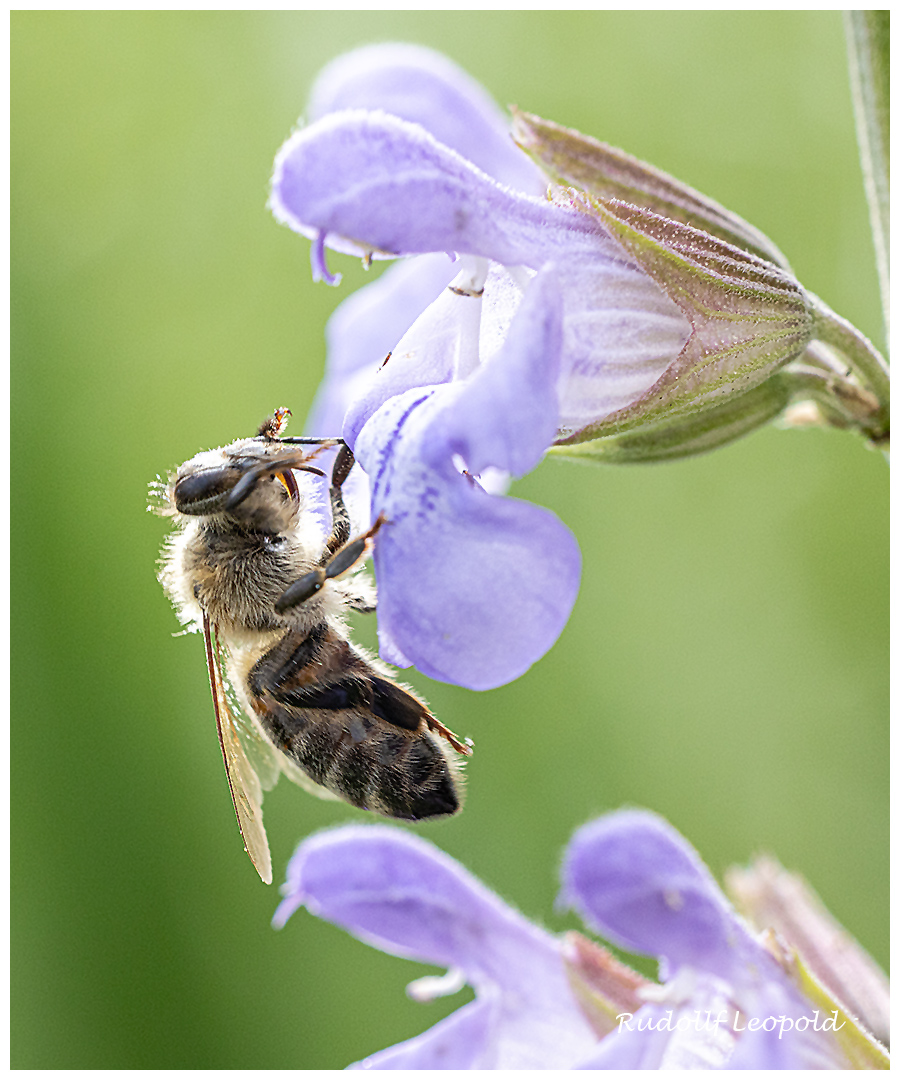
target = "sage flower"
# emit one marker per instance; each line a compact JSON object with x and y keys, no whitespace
{"x":657,"y":339}
{"x":539,"y":323}
{"x":402,"y":895}
{"x":725,"y":999}
{"x":669,"y":326}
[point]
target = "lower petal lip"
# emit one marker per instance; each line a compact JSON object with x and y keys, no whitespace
{"x":476,"y":599}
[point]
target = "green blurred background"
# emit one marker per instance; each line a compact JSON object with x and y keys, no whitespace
{"x":726,"y":663}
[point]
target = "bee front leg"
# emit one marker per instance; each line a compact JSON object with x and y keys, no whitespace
{"x":306,"y":587}
{"x":340,"y":519}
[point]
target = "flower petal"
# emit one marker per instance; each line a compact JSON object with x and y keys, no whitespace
{"x":380,"y":185}
{"x":637,"y":880}
{"x":460,"y":1041}
{"x":427,"y":355}
{"x":426,"y":87}
{"x":642,"y":1042}
{"x":474,"y":588}
{"x":399,"y":893}
{"x":686,"y":1025}
{"x":786,"y":1044}
{"x":367,"y":326}
{"x":506,"y":414}
{"x":377,"y":183}
{"x":506,"y":417}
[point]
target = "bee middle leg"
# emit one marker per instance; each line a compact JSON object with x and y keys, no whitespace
{"x":339,"y":563}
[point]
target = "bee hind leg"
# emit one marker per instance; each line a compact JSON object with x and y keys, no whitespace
{"x":464,"y":748}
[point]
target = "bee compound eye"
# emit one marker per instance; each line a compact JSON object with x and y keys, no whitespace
{"x":206,"y":491}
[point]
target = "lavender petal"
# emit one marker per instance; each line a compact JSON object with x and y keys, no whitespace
{"x":461,"y":1041}
{"x":376,"y":184}
{"x":474,"y":588}
{"x":638,"y":882}
{"x":402,"y":895}
{"x":366,"y":327}
{"x":427,"y":88}
{"x":425,"y":356}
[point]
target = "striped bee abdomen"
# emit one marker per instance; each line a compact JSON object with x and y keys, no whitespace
{"x":351,"y":729}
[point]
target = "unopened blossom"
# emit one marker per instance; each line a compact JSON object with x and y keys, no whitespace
{"x":474,"y":586}
{"x":773,"y":899}
{"x":724,"y":1000}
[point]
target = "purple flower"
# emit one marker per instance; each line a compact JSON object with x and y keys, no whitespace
{"x":405,"y":897}
{"x":636,"y":881}
{"x":724,"y":1001}
{"x":536,"y":326}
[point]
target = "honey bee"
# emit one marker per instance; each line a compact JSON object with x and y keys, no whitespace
{"x":291,"y":693}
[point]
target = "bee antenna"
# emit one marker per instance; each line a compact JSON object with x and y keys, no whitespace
{"x":310,"y":440}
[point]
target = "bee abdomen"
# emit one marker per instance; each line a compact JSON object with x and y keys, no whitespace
{"x":400,"y":773}
{"x":351,"y":729}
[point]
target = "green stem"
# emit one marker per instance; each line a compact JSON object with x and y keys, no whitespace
{"x":868,"y":43}
{"x":862,"y":356}
{"x":841,"y":403}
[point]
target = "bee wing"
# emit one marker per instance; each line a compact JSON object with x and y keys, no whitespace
{"x":261,"y":754}
{"x":264,"y":759}
{"x":246,"y":791}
